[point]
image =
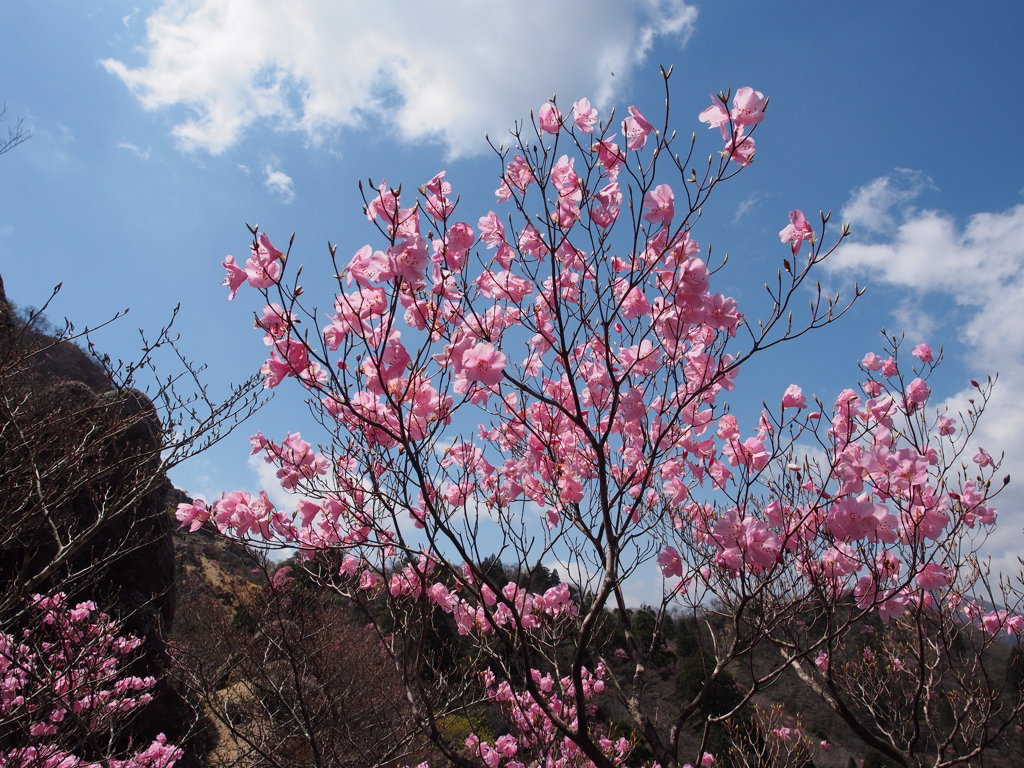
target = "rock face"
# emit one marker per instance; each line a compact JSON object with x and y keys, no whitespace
{"x":83,"y":502}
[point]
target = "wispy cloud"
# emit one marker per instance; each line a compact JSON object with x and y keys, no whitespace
{"x":746,"y":206}
{"x":872,"y":208}
{"x":445,"y":72}
{"x":142,"y":154}
{"x":128,"y":18}
{"x":279,"y":182}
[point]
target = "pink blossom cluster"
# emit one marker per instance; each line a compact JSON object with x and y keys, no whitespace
{"x":532,"y":713}
{"x":67,"y":668}
{"x":747,"y":111}
{"x":262,"y":269}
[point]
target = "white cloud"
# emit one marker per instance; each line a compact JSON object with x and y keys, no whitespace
{"x":913,"y":320}
{"x":746,"y":206}
{"x":979,"y":269}
{"x":279,"y":182}
{"x":871,"y":207}
{"x":443,"y":71}
{"x":128,"y":18}
{"x":142,"y":154}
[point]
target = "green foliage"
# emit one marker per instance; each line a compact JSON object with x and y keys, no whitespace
{"x":457,"y":727}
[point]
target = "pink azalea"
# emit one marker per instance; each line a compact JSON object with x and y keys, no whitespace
{"x":408,"y":259}
{"x":369,"y":266}
{"x":193,"y":515}
{"x":670,"y":562}
{"x":794,"y":397}
{"x":483,"y":363}
{"x":610,"y":156}
{"x":608,"y":204}
{"x":932,"y":576}
{"x":797,"y":231}
{"x":917,"y":394}
{"x":871,"y":362}
{"x":584,"y":116}
{"x":549,"y":118}
{"x":438,"y":191}
{"x":563,"y":175}
{"x":275,"y":321}
{"x":492,"y":232}
{"x":636,"y":129}
{"x":748,"y":106}
{"x":740,"y":149}
{"x":659,"y":205}
{"x":263,"y":267}
{"x":384,"y":205}
{"x":235,"y":277}
{"x":983,"y":459}
{"x":518,"y":176}
{"x":923,"y":353}
{"x":716,"y":116}
{"x":503,"y":285}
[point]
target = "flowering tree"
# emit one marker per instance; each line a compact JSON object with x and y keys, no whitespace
{"x":557,"y":374}
{"x":65,"y":695}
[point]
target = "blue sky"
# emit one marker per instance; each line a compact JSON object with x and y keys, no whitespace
{"x":160,"y":129}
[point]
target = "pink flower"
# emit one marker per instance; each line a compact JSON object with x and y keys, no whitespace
{"x":482,"y":363}
{"x":748,"y":106}
{"x":716,"y":116}
{"x":584,"y":116}
{"x":983,"y":459}
{"x":747,"y":110}
{"x":549,"y":118}
{"x":263,"y":268}
{"x":369,"y":266}
{"x":932,"y":576}
{"x":659,"y":205}
{"x":607,"y":204}
{"x":518,"y":174}
{"x":636,"y":129}
{"x":871,"y":362}
{"x":193,"y":515}
{"x":670,"y":562}
{"x":993,"y":621}
{"x":234,"y":278}
{"x":492,"y":232}
{"x":610,"y":156}
{"x":275,"y":321}
{"x":794,"y":397}
{"x":923,"y":353}
{"x":740,"y":149}
{"x":797,"y":231}
{"x":917,"y":394}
